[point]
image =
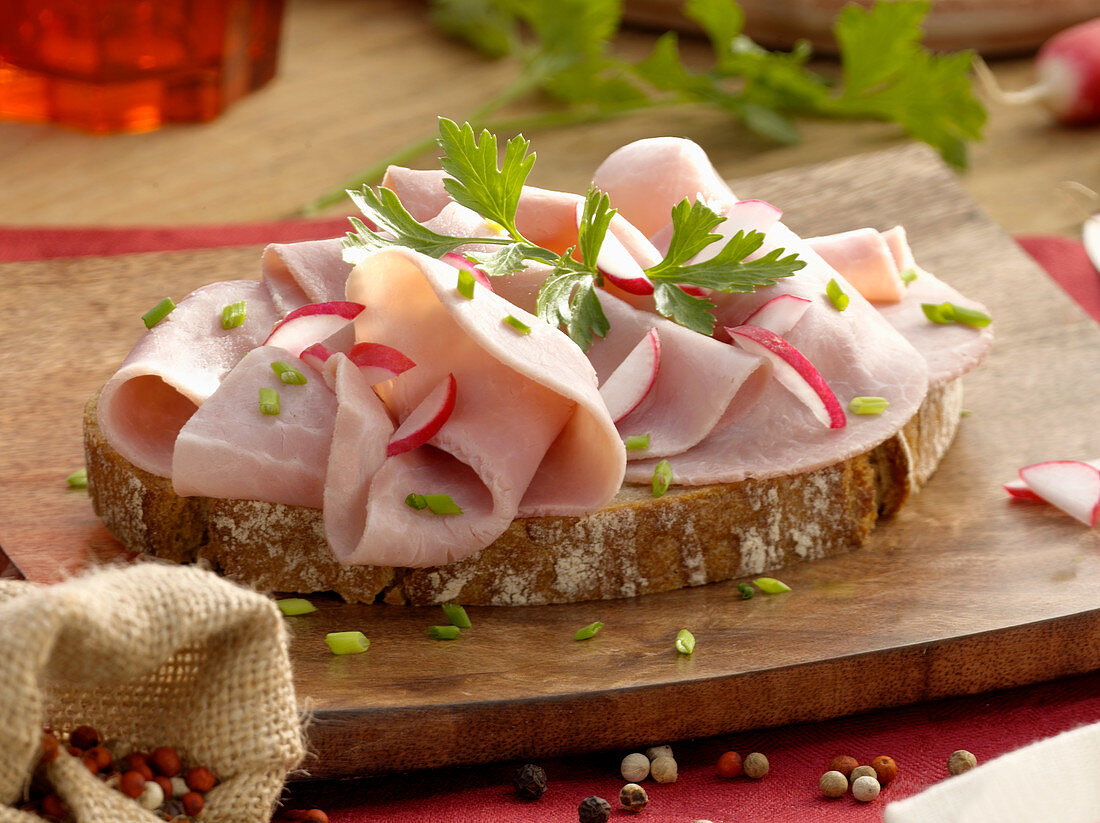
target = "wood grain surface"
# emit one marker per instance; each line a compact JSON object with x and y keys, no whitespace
{"x":963,"y":592}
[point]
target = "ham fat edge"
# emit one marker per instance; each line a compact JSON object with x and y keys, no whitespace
{"x":526,"y":432}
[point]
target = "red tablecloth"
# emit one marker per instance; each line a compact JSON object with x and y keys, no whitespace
{"x":920,"y":738}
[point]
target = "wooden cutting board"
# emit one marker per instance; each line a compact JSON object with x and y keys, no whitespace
{"x":963,"y":592}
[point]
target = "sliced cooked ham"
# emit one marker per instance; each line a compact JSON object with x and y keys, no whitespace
{"x":528,"y":432}
{"x":230,"y":449}
{"x":175,"y":367}
{"x":865,"y":259}
{"x":312,"y":271}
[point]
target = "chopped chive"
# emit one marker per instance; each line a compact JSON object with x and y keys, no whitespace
{"x":441,"y":504}
{"x":685,"y":642}
{"x":588,"y":631}
{"x":444,"y":632}
{"x":965,"y":413}
{"x":294,"y":606}
{"x":233,"y":315}
{"x":517,"y":324}
{"x":908,"y":276}
{"x":769,"y":585}
{"x":158,"y":312}
{"x":939,"y":312}
{"x":662,"y":478}
{"x":868,"y":405}
{"x":416,"y":501}
{"x":971,"y":317}
{"x":746,"y":590}
{"x":466,"y":284}
{"x":457,"y":615}
{"x":836,"y":295}
{"x":637,"y":442}
{"x":269,"y":401}
{"x":78,"y":479}
{"x":288,"y":374}
{"x":347,"y":642}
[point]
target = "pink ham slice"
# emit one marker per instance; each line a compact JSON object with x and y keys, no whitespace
{"x":175,"y":367}
{"x":527,"y":404}
{"x":229,"y":449}
{"x":312,"y":271}
{"x":865,"y":260}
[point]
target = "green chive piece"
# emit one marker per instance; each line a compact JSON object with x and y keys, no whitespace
{"x":466,"y":284}
{"x":517,"y":324}
{"x":908,"y":276}
{"x":746,"y":590}
{"x":416,"y":501}
{"x":444,"y":632}
{"x":269,"y":401}
{"x":457,"y":615}
{"x":662,"y":478}
{"x":965,"y":413}
{"x":685,"y":642}
{"x":294,"y":606}
{"x":836,"y":295}
{"x":158,"y":312}
{"x":233,"y":315}
{"x":441,"y":504}
{"x":637,"y":442}
{"x":78,"y":479}
{"x":971,"y":317}
{"x":347,"y":642}
{"x":868,"y":405}
{"x":588,"y":631}
{"x":769,"y":585}
{"x":288,"y":374}
{"x":939,"y":312}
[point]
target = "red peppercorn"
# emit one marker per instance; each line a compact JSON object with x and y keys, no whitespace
{"x":315,"y":816}
{"x":52,"y":807}
{"x":50,"y":748}
{"x":84,"y":737}
{"x":844,"y":764}
{"x":200,"y":779}
{"x":132,"y":783}
{"x":192,"y":803}
{"x":729,"y":764}
{"x":101,"y":756}
{"x":75,"y":751}
{"x":165,"y":784}
{"x":165,"y":761}
{"x":90,"y":764}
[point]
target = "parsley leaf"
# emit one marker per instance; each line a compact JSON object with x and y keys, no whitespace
{"x":680,"y":307}
{"x":595,"y":221}
{"x":383,"y":208}
{"x":568,"y":298}
{"x":483,"y":23}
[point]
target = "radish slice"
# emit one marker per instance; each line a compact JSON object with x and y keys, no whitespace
{"x":793,"y":371}
{"x":425,"y":420}
{"x":780,"y":314}
{"x":460,"y":262}
{"x":1021,"y":491}
{"x":1071,"y":485}
{"x":379,"y":362}
{"x":1091,"y":237}
{"x":744,"y":215}
{"x":616,"y":263}
{"x":316,"y":356}
{"x":633,"y":379}
{"x":311,"y":324}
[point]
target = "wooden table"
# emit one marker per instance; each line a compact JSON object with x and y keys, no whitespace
{"x":360,"y":79}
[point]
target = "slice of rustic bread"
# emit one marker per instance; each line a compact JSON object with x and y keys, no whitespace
{"x":636,"y":545}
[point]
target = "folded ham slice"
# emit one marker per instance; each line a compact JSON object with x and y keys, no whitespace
{"x":866,"y":261}
{"x":312,"y":271}
{"x":175,"y":366}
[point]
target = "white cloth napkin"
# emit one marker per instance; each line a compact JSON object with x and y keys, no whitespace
{"x":1056,"y":780}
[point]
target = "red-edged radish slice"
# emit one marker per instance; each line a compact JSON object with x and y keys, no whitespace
{"x":316,"y":355}
{"x":460,"y":262}
{"x":617,"y":264}
{"x":379,"y":362}
{"x":780,"y":314}
{"x":1021,"y":491}
{"x":426,"y":419}
{"x":1071,"y":485}
{"x":793,"y":371}
{"x":627,"y":386}
{"x":744,"y":215}
{"x":311,"y":324}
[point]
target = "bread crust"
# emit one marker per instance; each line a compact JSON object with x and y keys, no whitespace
{"x":635,"y":545}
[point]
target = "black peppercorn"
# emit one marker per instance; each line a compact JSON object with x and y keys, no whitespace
{"x":594,"y":810}
{"x":530,"y":781}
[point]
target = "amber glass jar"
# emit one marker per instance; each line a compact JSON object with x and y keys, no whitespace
{"x":132,"y":65}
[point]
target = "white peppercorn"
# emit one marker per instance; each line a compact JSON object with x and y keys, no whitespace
{"x":634,"y":768}
{"x":152,"y":796}
{"x":755,"y":765}
{"x":865,"y":788}
{"x":663,"y":769}
{"x":961,"y":761}
{"x":179,"y":787}
{"x":862,"y":771}
{"x":653,"y":752}
{"x":633,"y":797}
{"x":833,"y":784}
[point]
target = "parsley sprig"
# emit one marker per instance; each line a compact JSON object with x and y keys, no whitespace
{"x":568,"y":297}
{"x":563,"y":51}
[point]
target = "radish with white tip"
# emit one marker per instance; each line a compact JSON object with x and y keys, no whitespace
{"x":780,"y":314}
{"x":791,"y":368}
{"x":312,"y":323}
{"x":633,"y":379}
{"x":425,"y":420}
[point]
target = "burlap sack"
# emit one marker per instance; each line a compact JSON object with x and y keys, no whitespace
{"x":151,"y":655}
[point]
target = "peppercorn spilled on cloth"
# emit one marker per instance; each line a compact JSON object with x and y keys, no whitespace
{"x":153,"y":656}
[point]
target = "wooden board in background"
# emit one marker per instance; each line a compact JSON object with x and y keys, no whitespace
{"x":963,"y":592}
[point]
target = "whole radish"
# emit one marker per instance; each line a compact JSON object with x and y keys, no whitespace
{"x":1068,"y":68}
